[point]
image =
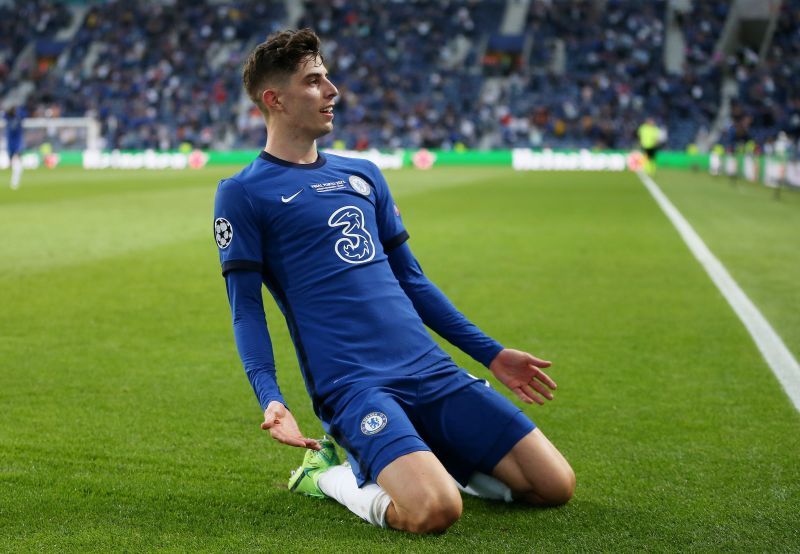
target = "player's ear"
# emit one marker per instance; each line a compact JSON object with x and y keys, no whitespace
{"x":271,"y":99}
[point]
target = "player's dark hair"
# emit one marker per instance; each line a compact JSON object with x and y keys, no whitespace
{"x":276,"y":59}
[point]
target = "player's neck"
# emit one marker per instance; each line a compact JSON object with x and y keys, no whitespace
{"x":299,"y":152}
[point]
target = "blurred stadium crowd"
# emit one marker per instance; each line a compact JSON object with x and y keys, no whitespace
{"x":436,"y":74}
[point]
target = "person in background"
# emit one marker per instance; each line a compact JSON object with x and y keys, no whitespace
{"x":14,"y":143}
{"x":650,"y":138}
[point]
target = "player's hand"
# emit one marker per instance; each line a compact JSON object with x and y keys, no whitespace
{"x":281,"y":425}
{"x":523,"y":374}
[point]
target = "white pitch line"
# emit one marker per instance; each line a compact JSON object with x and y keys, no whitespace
{"x":778,"y":357}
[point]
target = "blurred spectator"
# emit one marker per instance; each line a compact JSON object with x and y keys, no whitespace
{"x":769,"y":90}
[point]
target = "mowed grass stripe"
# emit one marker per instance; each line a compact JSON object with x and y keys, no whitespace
{"x":128,"y":423}
{"x":96,"y":214}
{"x":753,"y":234}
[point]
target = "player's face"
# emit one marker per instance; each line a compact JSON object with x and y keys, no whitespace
{"x":308,"y":100}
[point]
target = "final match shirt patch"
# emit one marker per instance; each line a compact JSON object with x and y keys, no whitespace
{"x":359,"y":185}
{"x":223,"y":232}
{"x":328,"y":187}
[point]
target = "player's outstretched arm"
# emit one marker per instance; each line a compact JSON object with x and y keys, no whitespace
{"x":251,"y":334}
{"x":280,"y":423}
{"x":519,"y":371}
{"x":522,"y":373}
{"x":436,"y":310}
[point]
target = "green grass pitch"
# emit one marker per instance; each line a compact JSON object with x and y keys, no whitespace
{"x":126,"y":421}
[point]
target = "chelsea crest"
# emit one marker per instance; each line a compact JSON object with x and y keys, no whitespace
{"x":373,"y":423}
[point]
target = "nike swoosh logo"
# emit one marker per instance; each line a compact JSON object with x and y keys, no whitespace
{"x":286,"y":200}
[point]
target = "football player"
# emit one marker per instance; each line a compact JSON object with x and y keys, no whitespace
{"x":324,"y":235}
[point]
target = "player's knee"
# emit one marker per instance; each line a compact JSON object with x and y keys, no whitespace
{"x":439,"y":519}
{"x":552,"y":487}
{"x":437,"y":513}
{"x":565,"y":488}
{"x":559,"y":489}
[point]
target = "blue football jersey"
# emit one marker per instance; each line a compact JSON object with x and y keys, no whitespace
{"x":14,"y":135}
{"x":319,"y":235}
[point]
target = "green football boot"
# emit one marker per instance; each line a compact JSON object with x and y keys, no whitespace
{"x":315,"y":463}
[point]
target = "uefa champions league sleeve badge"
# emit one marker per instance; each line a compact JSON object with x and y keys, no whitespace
{"x":223,"y":232}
